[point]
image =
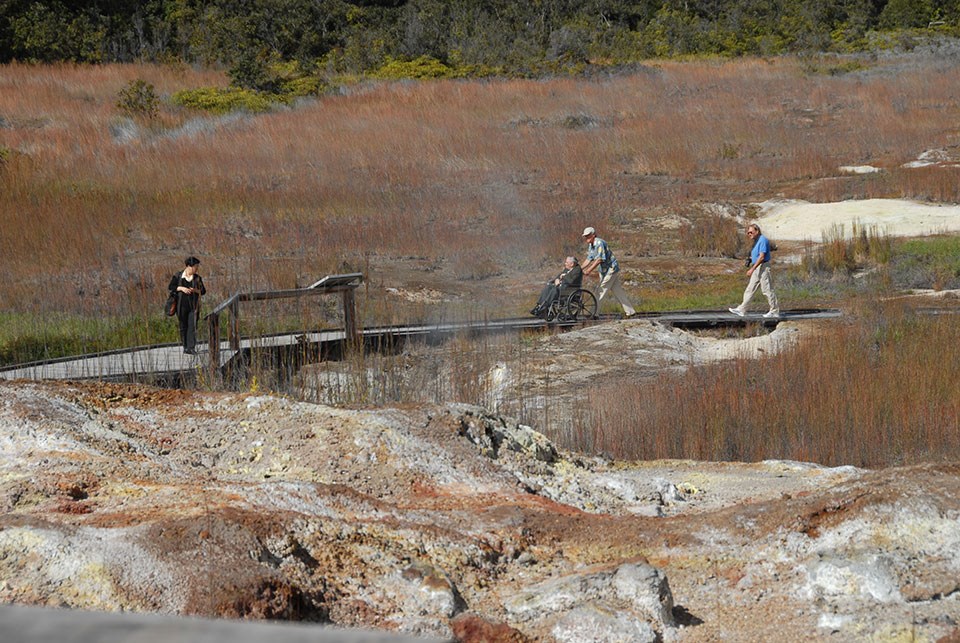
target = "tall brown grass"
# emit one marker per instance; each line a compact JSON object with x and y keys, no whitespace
{"x":880,"y":389}
{"x":866,"y":245}
{"x":711,"y":235}
{"x":459,"y":174}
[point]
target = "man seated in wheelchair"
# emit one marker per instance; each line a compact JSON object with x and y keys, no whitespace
{"x":560,"y":287}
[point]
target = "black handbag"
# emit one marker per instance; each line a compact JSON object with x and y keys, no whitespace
{"x":170,"y":308}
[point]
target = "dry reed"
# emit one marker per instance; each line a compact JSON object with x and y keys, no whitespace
{"x":875,"y":391}
{"x":455,"y":172}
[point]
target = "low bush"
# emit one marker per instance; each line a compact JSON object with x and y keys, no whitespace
{"x":303,"y":86}
{"x":420,"y":68}
{"x":138,"y":99}
{"x":223,"y":100}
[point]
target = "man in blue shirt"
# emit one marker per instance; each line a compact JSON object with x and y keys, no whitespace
{"x":601,"y":259}
{"x":759,"y":272}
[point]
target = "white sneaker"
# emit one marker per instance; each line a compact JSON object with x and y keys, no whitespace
{"x":771,"y":314}
{"x":736,"y":311}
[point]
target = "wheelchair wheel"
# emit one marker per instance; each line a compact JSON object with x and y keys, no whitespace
{"x":581,"y":305}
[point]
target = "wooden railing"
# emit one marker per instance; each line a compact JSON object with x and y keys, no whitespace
{"x":331,"y":284}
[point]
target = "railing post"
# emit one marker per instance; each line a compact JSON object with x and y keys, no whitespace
{"x":350,"y":318}
{"x":234,"y":326}
{"x":214,"y":340}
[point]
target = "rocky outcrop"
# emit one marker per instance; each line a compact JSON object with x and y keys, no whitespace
{"x":450,"y":522}
{"x":631,"y":602}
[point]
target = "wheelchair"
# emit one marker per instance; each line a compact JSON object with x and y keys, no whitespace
{"x":579,"y":304}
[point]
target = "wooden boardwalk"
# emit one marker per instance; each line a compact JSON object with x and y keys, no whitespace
{"x":167,"y":362}
{"x":28,"y":624}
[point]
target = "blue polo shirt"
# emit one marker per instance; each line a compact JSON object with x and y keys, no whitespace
{"x":762,"y":245}
{"x":600,"y":250}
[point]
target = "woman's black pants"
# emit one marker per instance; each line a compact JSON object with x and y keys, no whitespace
{"x":188,"y":328}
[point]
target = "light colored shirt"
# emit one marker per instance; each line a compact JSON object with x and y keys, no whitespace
{"x":600,"y":250}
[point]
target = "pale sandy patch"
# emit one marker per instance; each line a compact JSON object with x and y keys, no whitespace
{"x":786,"y":336}
{"x":799,"y":220}
{"x":933,"y":294}
{"x":423,"y":295}
{"x":939,"y":157}
{"x":860,"y":169}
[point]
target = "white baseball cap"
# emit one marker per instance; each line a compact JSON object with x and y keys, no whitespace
{"x":588,"y":231}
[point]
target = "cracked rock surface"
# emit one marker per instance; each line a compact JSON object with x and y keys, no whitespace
{"x":447,"y":521}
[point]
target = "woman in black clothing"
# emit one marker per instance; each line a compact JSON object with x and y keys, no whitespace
{"x":188,"y":286}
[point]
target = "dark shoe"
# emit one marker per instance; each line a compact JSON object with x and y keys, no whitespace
{"x":188,"y":351}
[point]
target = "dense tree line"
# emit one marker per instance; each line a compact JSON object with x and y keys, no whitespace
{"x":249,"y":36}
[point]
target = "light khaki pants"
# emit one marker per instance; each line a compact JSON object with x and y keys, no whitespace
{"x":610,"y":284}
{"x":761,"y":279}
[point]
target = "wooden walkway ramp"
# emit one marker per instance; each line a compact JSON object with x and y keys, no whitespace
{"x":168,"y":363}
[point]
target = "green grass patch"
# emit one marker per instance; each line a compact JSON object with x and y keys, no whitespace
{"x":794,"y":288}
{"x":26,"y":337}
{"x":928,"y":262}
{"x":706,"y":294}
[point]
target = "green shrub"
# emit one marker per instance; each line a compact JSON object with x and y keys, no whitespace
{"x":479,"y":71}
{"x":303,"y":86}
{"x":420,"y":68}
{"x":281,"y":80}
{"x":287,"y":78}
{"x":138,"y":99}
{"x":221,"y":101}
